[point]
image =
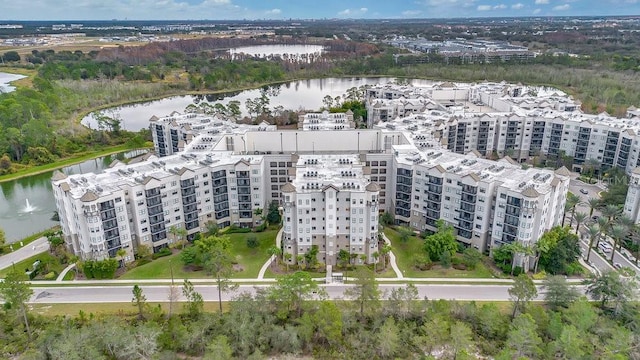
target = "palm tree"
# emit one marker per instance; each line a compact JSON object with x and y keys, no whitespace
{"x":627,"y":222}
{"x":384,"y":252}
{"x":567,"y":208}
{"x":572,"y":201}
{"x":287,"y":259}
{"x":580,"y":218}
{"x":275,"y":251}
{"x":300,"y":260}
{"x":611,"y":211}
{"x":617,"y":232}
{"x":375,"y":255}
{"x":178,"y":233}
{"x":604,"y":223}
{"x":594,"y":231}
{"x":593,"y":203}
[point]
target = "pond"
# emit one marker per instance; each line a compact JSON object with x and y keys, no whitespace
{"x":5,"y":79}
{"x":291,"y":52}
{"x":295,"y":95}
{"x":27,"y":204}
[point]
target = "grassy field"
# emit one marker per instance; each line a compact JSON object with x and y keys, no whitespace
{"x":122,"y":309}
{"x":405,"y":252}
{"x":250,"y":260}
{"x":27,"y":263}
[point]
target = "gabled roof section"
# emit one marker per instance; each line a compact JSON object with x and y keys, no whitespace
{"x":58,"y":175}
{"x":440,"y":169}
{"x":530,"y":192}
{"x":373,"y":187}
{"x":288,"y":188}
{"x":89,"y":196}
{"x":510,"y":160}
{"x":141,"y":158}
{"x":65,"y":187}
{"x":330,"y":186}
{"x":563,"y":171}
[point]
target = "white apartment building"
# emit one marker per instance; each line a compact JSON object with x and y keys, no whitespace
{"x":333,"y":205}
{"x":484,"y":200}
{"x":503,"y":119}
{"x":172,"y":134}
{"x":331,"y":184}
{"x":131,"y":205}
{"x":326,"y":121}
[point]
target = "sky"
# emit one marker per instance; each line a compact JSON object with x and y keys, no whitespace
{"x":304,"y":9}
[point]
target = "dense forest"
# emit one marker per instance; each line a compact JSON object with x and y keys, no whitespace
{"x":291,"y":320}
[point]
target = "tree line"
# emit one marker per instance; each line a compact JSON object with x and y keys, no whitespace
{"x":294,"y":318}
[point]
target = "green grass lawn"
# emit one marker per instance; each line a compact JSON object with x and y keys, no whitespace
{"x":405,"y":252}
{"x":250,"y":260}
{"x":44,"y":257}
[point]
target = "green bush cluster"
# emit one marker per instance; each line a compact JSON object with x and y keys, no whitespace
{"x":102,"y":269}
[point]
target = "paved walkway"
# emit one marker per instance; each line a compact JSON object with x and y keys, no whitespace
{"x":64,"y":272}
{"x":266,"y":265}
{"x":36,"y":247}
{"x":392,"y":259}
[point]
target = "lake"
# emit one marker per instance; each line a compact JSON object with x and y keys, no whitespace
{"x":291,"y":52}
{"x":20,"y":219}
{"x":295,"y":95}
{"x":27,"y":204}
{"x":5,"y":79}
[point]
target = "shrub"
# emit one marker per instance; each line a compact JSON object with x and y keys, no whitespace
{"x":459,"y":266}
{"x":262,"y":227}
{"x":162,"y":253}
{"x":471,"y":257}
{"x":517,"y":270}
{"x":252,"y":242}
{"x":51,"y":276}
{"x":234,"y":229}
{"x":445,"y":260}
{"x":422,"y":262}
{"x":104,"y":269}
{"x":573,"y":269}
{"x":541,"y":275}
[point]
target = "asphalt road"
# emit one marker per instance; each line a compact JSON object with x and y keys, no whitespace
{"x":159,"y":293}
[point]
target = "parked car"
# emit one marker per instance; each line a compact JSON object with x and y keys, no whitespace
{"x":617,"y":266}
{"x":584,"y":191}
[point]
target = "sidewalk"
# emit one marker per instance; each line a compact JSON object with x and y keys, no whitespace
{"x":38,"y":246}
{"x":392,"y":258}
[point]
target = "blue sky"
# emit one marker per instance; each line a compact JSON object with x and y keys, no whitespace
{"x":303,"y":9}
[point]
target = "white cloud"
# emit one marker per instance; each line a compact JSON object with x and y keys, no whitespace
{"x":273,"y":12}
{"x":500,"y":7}
{"x":562,"y":7}
{"x":483,"y":7}
{"x":410,"y":13}
{"x":517,"y":6}
{"x":536,"y":11}
{"x":542,"y":2}
{"x":450,"y":3}
{"x":353,"y":12}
